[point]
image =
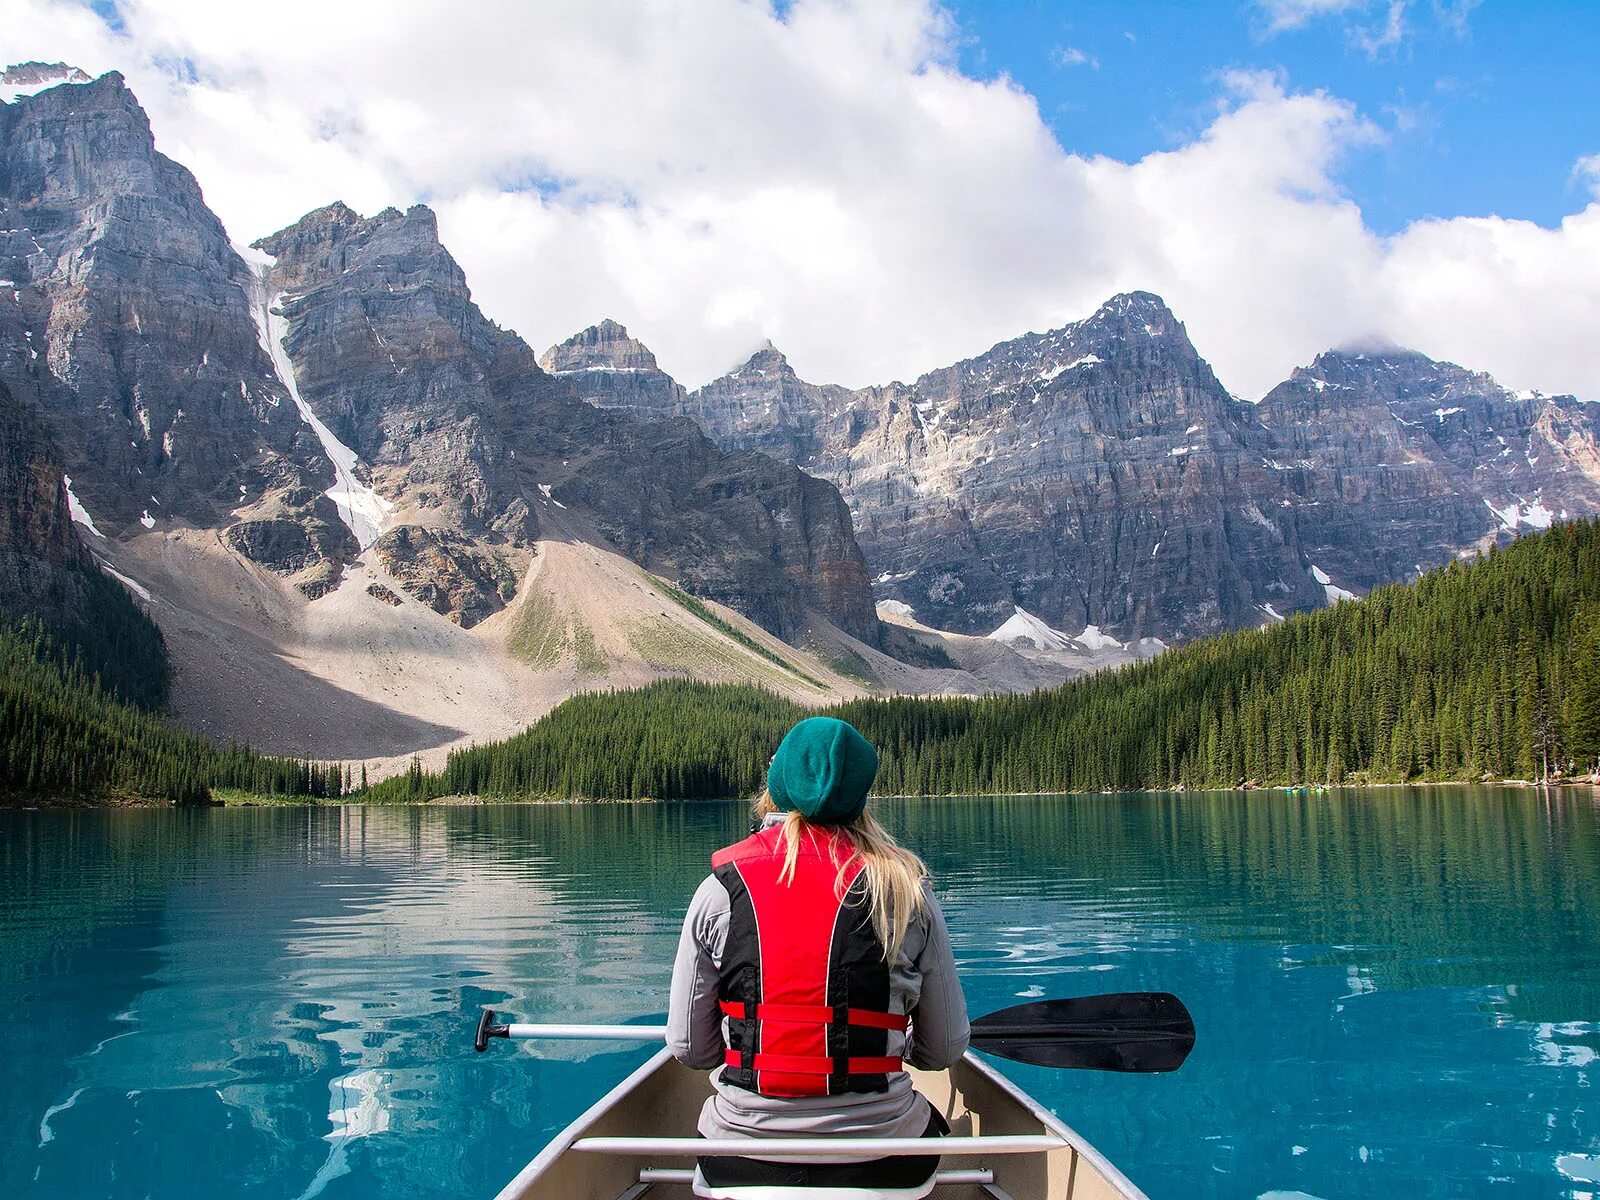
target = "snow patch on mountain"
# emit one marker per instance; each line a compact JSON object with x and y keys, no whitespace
{"x":1093,"y":639}
{"x":1088,"y":360}
{"x":1519,"y":512}
{"x":1023,"y":626}
{"x":604,"y":368}
{"x":136,"y":588}
{"x":75,"y":507}
{"x":1335,"y":593}
{"x":360,"y":507}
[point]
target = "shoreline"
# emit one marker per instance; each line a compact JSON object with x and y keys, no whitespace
{"x":240,"y":800}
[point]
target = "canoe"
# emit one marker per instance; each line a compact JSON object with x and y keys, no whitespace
{"x":639,"y":1141}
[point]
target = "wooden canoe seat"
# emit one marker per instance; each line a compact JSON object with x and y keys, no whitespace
{"x":778,"y":1192}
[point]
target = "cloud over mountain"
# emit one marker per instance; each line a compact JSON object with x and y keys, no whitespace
{"x":718,"y":172}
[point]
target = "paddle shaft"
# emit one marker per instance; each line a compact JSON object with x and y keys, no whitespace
{"x":1124,"y":1031}
{"x":656,"y":1033}
{"x":615,"y":1033}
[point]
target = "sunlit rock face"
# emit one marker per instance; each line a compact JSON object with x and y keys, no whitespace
{"x":334,"y":390}
{"x":612,"y":370}
{"x":1391,"y":462}
{"x":1099,"y":477}
{"x":126,"y":324}
{"x":476,"y":451}
{"x":1092,"y":475}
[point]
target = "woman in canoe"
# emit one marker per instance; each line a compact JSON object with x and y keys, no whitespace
{"x":814,"y":966}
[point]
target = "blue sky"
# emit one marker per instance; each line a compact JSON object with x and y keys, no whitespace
{"x":1484,"y":112}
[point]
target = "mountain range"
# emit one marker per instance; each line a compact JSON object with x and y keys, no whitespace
{"x":1096,"y":483}
{"x":369,"y":521}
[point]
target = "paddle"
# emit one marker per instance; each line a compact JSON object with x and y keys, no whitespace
{"x":1122,"y":1031}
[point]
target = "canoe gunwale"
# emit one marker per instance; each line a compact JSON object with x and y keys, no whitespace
{"x":558,"y":1145}
{"x":1080,"y":1144}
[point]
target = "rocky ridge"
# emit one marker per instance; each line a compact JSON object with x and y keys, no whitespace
{"x":475,"y":452}
{"x":634,"y":381}
{"x":1082,"y":476}
{"x":125,"y":324}
{"x":338,"y":391}
{"x":1098,"y":484}
{"x":1390,"y":462}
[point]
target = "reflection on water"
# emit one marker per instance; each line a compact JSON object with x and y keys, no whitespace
{"x":1397,"y":991}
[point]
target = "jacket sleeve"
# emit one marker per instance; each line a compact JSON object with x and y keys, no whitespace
{"x":694,"y":1021}
{"x":939,"y":1028}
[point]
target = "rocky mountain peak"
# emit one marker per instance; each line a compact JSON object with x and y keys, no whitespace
{"x":1391,"y":371}
{"x":1134,"y":318}
{"x":130,"y":331}
{"x":1370,"y":355}
{"x":473,"y":452}
{"x":401,"y":247}
{"x":602,"y":347}
{"x":1131,"y":333}
{"x":1394,"y":462}
{"x":85,"y":138}
{"x":767,"y":361}
{"x":1144,"y":303}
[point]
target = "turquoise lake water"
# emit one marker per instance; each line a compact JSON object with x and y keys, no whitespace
{"x":1397,"y":992}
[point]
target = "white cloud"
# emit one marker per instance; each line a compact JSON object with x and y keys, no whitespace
{"x":1376,"y":26}
{"x":1587,"y":171}
{"x":1378,"y":40}
{"x":1453,"y":14}
{"x":1283,"y":15}
{"x":1071,"y":56}
{"x":711,"y":174}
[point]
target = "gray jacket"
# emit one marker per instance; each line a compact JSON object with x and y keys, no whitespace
{"x":922,"y":983}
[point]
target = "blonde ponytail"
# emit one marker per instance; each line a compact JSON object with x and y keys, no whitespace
{"x":893,"y":876}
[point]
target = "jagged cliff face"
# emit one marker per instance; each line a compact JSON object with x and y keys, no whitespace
{"x":473,"y":451}
{"x":1096,"y":475}
{"x":335,"y":392}
{"x":384,"y":347}
{"x":1392,"y":463}
{"x":1099,"y":478}
{"x":614,"y":370}
{"x":124,"y":321}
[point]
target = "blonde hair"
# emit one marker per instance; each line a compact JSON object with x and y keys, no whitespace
{"x":893,"y":875}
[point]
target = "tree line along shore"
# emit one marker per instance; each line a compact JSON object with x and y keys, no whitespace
{"x":1481,"y":670}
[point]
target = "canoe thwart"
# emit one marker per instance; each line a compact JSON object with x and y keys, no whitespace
{"x":971,"y":1177}
{"x":819,"y":1147}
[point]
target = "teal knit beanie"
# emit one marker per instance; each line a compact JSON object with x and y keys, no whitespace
{"x":822,"y":770}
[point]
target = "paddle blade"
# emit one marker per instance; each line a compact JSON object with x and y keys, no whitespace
{"x":1121,"y":1031}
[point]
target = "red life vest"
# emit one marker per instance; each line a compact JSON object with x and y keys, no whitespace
{"x":803,"y":980}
